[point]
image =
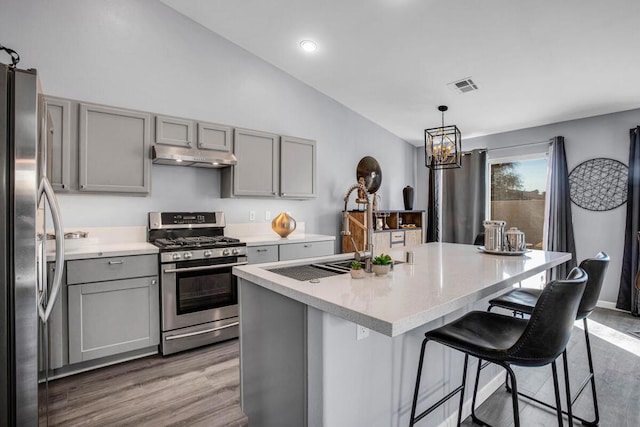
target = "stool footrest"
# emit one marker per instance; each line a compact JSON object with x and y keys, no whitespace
{"x":431,"y":408}
{"x":582,"y":420}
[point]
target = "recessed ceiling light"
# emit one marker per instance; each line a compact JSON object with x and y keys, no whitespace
{"x":308,"y":45}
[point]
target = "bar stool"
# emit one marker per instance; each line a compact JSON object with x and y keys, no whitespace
{"x":523,"y":300}
{"x":506,"y":340}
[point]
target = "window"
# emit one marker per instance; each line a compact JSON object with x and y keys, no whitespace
{"x":518,"y":192}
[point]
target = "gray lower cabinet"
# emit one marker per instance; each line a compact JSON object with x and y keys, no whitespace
{"x":59,"y":133}
{"x":114,"y":146}
{"x":110,"y":310}
{"x":306,"y":250}
{"x":297,"y":168}
{"x":260,"y":254}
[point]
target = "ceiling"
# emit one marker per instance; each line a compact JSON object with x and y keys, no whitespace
{"x":534,"y":62}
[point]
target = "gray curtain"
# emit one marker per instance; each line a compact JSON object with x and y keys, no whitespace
{"x":433,"y":201}
{"x":628,"y":294}
{"x":463,"y":199}
{"x":559,"y":223}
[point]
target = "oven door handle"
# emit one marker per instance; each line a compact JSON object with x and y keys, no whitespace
{"x":204,"y":267}
{"x":206,"y":331}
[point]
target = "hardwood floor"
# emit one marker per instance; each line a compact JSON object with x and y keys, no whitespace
{"x":616,"y":359}
{"x":194,"y":388}
{"x":201,"y":387}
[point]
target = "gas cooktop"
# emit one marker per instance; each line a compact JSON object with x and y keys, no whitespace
{"x":191,"y":242}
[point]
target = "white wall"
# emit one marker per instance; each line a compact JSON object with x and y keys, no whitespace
{"x":143,"y":55}
{"x":600,"y":136}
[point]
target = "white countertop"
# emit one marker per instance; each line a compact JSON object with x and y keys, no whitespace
{"x":445,"y":277}
{"x":105,"y":242}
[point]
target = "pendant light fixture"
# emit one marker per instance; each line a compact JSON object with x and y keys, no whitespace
{"x":442,"y":145}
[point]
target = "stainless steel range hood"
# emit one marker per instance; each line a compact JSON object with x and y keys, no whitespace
{"x":179,"y":156}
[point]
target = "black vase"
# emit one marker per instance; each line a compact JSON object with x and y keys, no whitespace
{"x":407,"y":194}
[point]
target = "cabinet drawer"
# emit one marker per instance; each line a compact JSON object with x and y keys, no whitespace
{"x":113,"y":268}
{"x":305,"y":250}
{"x":397,"y":238}
{"x":260,"y":254}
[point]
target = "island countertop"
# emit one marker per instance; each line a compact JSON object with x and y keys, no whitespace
{"x":444,"y":277}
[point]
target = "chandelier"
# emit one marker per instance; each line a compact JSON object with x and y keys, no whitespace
{"x":442,"y":145}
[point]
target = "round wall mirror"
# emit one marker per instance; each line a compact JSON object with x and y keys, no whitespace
{"x":369,"y":169}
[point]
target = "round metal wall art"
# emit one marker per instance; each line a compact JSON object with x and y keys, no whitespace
{"x":599,"y":184}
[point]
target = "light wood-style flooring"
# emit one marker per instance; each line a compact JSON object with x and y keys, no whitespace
{"x":201,"y":387}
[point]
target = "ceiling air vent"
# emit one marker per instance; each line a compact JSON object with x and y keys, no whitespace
{"x":464,"y":85}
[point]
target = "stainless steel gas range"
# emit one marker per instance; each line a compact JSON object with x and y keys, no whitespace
{"x":199,"y":294}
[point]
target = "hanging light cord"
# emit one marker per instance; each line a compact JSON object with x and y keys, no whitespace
{"x":15,"y":58}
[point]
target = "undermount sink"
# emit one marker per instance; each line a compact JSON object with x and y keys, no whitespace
{"x":317,"y":271}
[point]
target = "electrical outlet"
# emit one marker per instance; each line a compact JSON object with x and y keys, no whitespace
{"x":361,"y":332}
{"x":267,"y":215}
{"x":252,"y":215}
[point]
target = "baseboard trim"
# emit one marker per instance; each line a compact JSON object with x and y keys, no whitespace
{"x":609,"y":305}
{"x":483,"y":394}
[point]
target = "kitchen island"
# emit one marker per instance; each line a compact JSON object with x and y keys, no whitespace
{"x":302,"y":362}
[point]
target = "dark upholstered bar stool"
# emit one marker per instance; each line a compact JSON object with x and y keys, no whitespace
{"x":523,"y":300}
{"x":506,"y":340}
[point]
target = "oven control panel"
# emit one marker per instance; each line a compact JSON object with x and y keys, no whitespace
{"x":173,"y":220}
{"x":196,"y":254}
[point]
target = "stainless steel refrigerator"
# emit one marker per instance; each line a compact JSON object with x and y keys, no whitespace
{"x":28,"y":203}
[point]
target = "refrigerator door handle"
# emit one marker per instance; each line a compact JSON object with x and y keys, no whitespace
{"x":46,"y":189}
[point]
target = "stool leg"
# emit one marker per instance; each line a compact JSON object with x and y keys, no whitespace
{"x":567,"y":387}
{"x":475,"y":393}
{"x":464,"y":383}
{"x":592,"y":377}
{"x":556,"y":388}
{"x":415,"y":393}
{"x":514,"y":395}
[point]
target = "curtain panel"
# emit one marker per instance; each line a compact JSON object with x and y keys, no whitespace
{"x":628,"y":298}
{"x":558,"y":219}
{"x":463,"y":199}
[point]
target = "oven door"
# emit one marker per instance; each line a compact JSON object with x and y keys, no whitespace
{"x":195,"y":292}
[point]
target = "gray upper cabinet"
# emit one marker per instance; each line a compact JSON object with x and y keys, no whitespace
{"x":271,"y":166}
{"x":297,"y":168}
{"x":212,"y":136}
{"x":59,"y":143}
{"x":114,"y":147}
{"x":257,"y":171}
{"x":174,"y":131}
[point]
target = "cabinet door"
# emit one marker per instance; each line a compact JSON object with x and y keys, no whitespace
{"x":260,"y":254}
{"x":174,"y":131}
{"x":114,"y":150}
{"x":257,"y":171}
{"x":212,"y":136}
{"x":59,"y":143}
{"x":107,"y":318}
{"x":297,"y":168}
{"x":381,"y":242}
{"x":413,"y":237}
{"x":306,"y":250}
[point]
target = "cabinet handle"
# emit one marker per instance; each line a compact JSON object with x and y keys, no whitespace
{"x":83,"y":186}
{"x":308,"y":246}
{"x":284,"y":194}
{"x":153,"y":282}
{"x":119,"y":261}
{"x":261,"y":250}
